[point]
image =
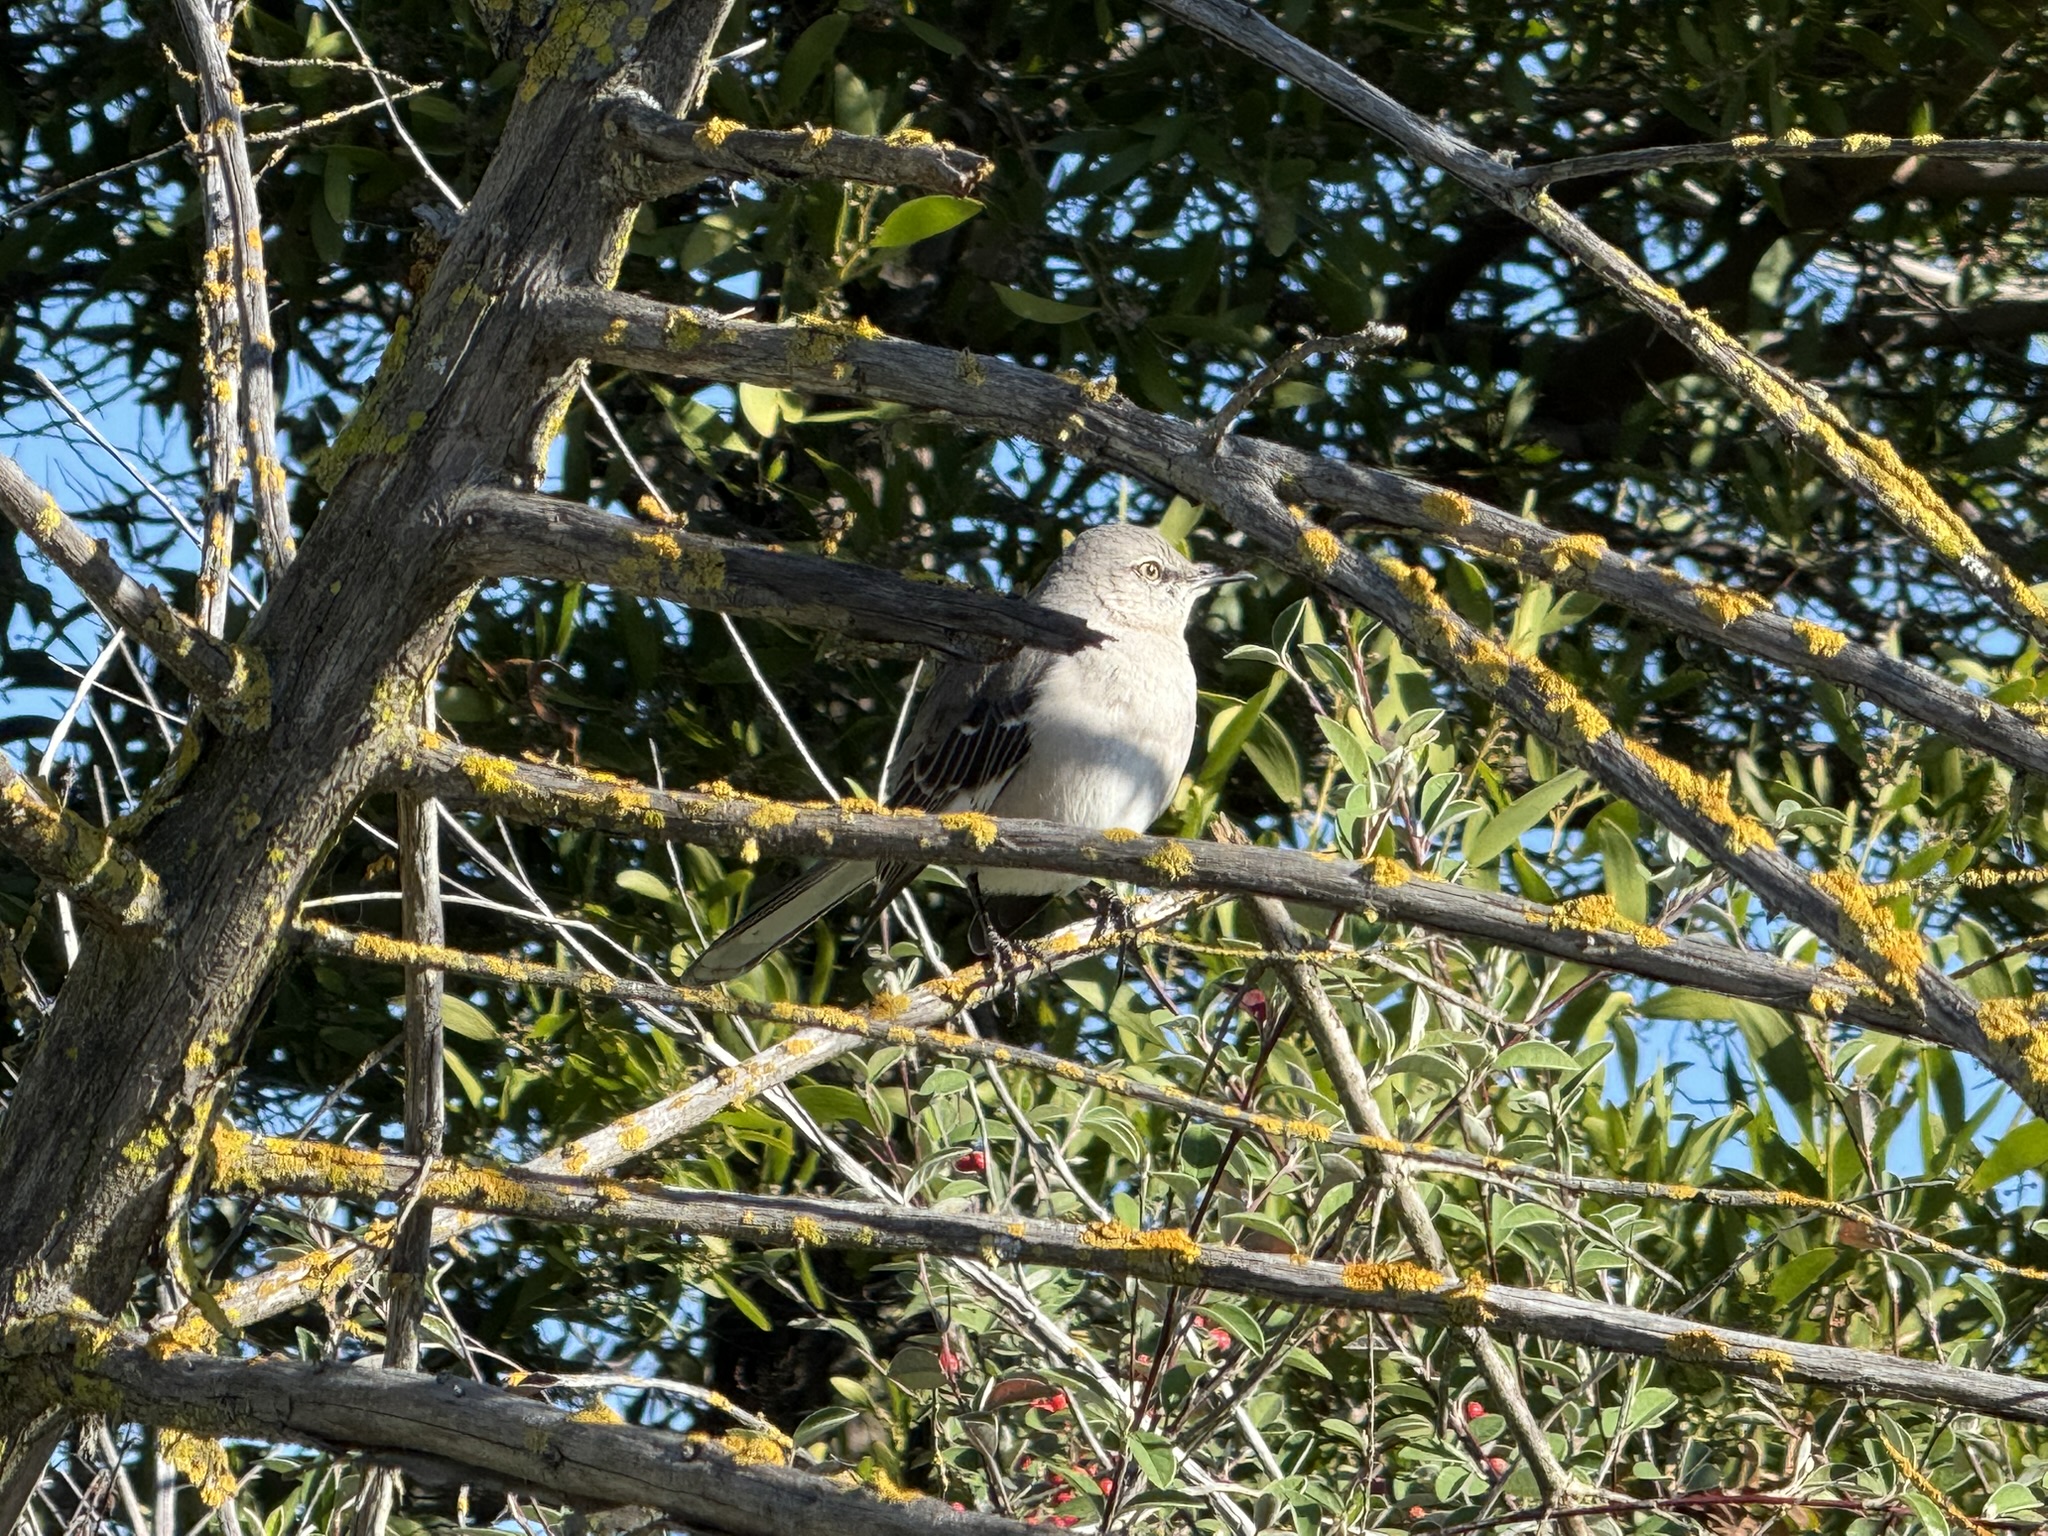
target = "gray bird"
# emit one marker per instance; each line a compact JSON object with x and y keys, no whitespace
{"x":1095,"y":739}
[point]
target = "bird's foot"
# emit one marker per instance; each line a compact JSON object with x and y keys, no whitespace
{"x":1112,"y":914}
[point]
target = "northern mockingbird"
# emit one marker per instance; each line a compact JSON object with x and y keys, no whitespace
{"x":1096,"y":739}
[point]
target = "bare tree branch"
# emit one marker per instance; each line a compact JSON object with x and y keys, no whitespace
{"x":75,"y":856}
{"x":1928,"y":148}
{"x":510,"y":533}
{"x":737,"y":1486}
{"x":234,"y":255}
{"x":1867,"y":464}
{"x":1166,"y":1255}
{"x":290,"y":1285}
{"x":660,"y":155}
{"x":753,"y":827}
{"x":231,"y":681}
{"x":1936,"y":177}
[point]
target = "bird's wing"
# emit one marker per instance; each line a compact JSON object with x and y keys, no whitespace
{"x":971,"y":734}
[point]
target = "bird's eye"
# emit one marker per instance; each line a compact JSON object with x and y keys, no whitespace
{"x":1151,"y":570}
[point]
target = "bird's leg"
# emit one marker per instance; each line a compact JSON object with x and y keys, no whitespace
{"x":1111,"y":912}
{"x":1009,"y":961}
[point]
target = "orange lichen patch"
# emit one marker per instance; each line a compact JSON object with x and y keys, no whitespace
{"x":751,"y":1449}
{"x":1120,"y":835}
{"x":1776,"y":1361}
{"x":1819,"y":638}
{"x":1320,"y":549}
{"x":599,"y":1412}
{"x":1171,"y":862}
{"x":1387,"y":873}
{"x":2019,"y":1042}
{"x":1697,"y":1346}
{"x":889,"y":1005}
{"x":770,"y":814}
{"x":190,"y":1334}
{"x":1876,"y":929}
{"x":1724,"y":605}
{"x":715,"y":132}
{"x":1466,"y":1306}
{"x":980,"y":830}
{"x":1599,"y":914}
{"x":1578,"y":552}
{"x":1394,"y":1275}
{"x":203,"y":1460}
{"x":1447,"y":507}
{"x":1174,"y":1242}
{"x":1306,"y":1129}
{"x":886,"y":1487}
{"x":1705,"y":797}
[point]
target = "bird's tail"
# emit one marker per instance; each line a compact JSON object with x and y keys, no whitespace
{"x":785,"y":914}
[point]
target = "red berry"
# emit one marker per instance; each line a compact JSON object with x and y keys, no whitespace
{"x":1255,"y":1004}
{"x":1063,"y":1521}
{"x":1474,"y":1410}
{"x":1057,"y":1403}
{"x":959,"y":1506}
{"x":1063,"y":1496}
{"x":949,"y":1362}
{"x":1106,"y":1484}
{"x":1497,"y":1465}
{"x":973,"y":1162}
{"x":1417,"y":1512}
{"x":1220,"y":1337}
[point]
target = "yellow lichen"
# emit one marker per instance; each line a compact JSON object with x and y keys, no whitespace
{"x":1174,"y":1242}
{"x":807,"y":1229}
{"x":771,"y":814}
{"x":1705,"y":797}
{"x":1120,"y":835}
{"x":979,"y":830}
{"x":1819,"y":639}
{"x":890,"y":1005}
{"x":1795,"y":138}
{"x":1447,"y":507}
{"x":1319,"y":549}
{"x":1387,"y":873}
{"x":1598,"y":914}
{"x":1749,"y":141}
{"x":203,"y":1461}
{"x":714,"y":132}
{"x":1466,"y":1306}
{"x":1776,"y":1361}
{"x":908,"y":138}
{"x":2018,"y":1041}
{"x":1171,"y":862}
{"x":1876,"y":929}
{"x":972,"y":374}
{"x":751,"y":1449}
{"x":599,"y":1412}
{"x":1724,"y":605}
{"x":1925,"y":140}
{"x":1394,"y":1275}
{"x":683,"y":330}
{"x":1866,"y":143}
{"x":886,"y":1487}
{"x":1697,"y":1346}
{"x":1579,"y":552}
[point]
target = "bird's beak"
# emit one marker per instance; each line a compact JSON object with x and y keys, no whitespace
{"x":1209,"y":577}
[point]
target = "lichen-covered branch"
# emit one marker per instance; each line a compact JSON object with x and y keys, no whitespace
{"x":1164,"y":1255}
{"x":75,"y":856}
{"x":234,"y":256}
{"x":1867,"y":464}
{"x":1246,"y":484}
{"x":509,"y":533}
{"x":805,"y":1049}
{"x":229,"y":681}
{"x":738,"y":1483}
{"x":1794,"y":145}
{"x":659,"y":155}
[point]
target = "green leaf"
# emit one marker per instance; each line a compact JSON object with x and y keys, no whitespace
{"x":1649,"y":1408}
{"x":811,"y":51}
{"x":1537,"y":1056}
{"x":644,"y":883}
{"x":465,"y":1019}
{"x":1231,"y":728}
{"x":827,"y":1102}
{"x":1154,"y":1456}
{"x":923,"y":217}
{"x":1798,"y":1274}
{"x":945,"y":42}
{"x":1507,"y":826}
{"x":2023,"y":1149}
{"x":472,"y":1088}
{"x":761,"y":407}
{"x":1030,"y":306}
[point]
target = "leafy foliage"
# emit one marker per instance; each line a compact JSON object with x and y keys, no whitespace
{"x":1165,"y":212}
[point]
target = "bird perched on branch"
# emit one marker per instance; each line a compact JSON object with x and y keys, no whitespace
{"x":1095,"y":739}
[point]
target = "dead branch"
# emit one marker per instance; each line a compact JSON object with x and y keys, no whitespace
{"x":661,"y":155}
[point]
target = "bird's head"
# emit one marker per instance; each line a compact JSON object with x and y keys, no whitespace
{"x":1120,"y":576}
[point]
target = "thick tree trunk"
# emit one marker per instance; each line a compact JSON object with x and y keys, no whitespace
{"x":149,"y":1027}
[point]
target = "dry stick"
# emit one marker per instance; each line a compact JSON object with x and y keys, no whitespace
{"x":235,"y":251}
{"x":302,"y":1280}
{"x":220,"y":375}
{"x":1794,"y":145}
{"x":1277,"y":931}
{"x":374,"y":948}
{"x":1867,"y":464}
{"x":229,"y":680}
{"x":1374,"y":338}
{"x":1167,"y":1256}
{"x":660,"y":155}
{"x":1245,"y":484}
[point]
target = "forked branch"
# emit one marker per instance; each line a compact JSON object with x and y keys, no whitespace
{"x":76,"y":857}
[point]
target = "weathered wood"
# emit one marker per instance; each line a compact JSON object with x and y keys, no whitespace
{"x":659,"y":155}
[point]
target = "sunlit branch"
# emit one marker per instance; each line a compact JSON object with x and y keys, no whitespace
{"x":229,"y":680}
{"x":660,"y":155}
{"x":1166,"y":1256}
{"x":644,"y":1131}
{"x":234,"y":256}
{"x":1868,"y":464}
{"x":75,"y":856}
{"x":509,"y":533}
